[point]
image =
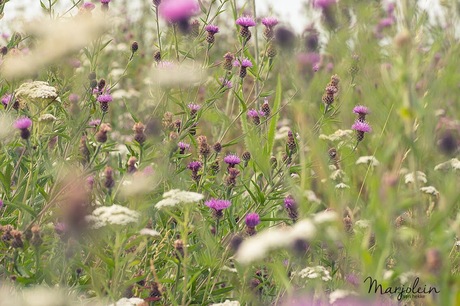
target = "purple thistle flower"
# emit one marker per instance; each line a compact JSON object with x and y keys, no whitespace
{"x":195,"y":166}
{"x":194,"y":107}
{"x":105,"y":98}
{"x":232,"y":160}
{"x":88,"y":6}
{"x":178,"y":10}
{"x":105,"y":1}
{"x":269,"y":22}
{"x":218,"y":205}
{"x":252,"y":220}
{"x":385,"y":23}
{"x":213,"y":29}
{"x":246,"y":21}
{"x":74,"y":98}
{"x":360,"y":126}
{"x":94,"y":122}
{"x":226,"y":83}
{"x":360,"y":110}
{"x":245,"y":63}
{"x":289,"y":202}
{"x":60,"y":228}
{"x":23,"y":123}
{"x":323,"y":4}
{"x":183,"y":146}
{"x":252,"y":113}
{"x":6,"y":99}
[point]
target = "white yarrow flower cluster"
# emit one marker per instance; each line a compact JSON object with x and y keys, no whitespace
{"x":227,"y":303}
{"x":36,"y":91}
{"x":256,"y":247}
{"x":149,"y":232}
{"x":337,"y":135}
{"x":339,"y":294}
{"x":128,"y":302}
{"x":410,"y":178}
{"x":176,"y":196}
{"x":453,"y":164}
{"x":430,"y":190}
{"x":112,"y":215}
{"x":371,"y":160}
{"x":313,"y":273}
{"x":342,"y":186}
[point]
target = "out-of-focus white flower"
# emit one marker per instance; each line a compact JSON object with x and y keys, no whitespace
{"x":339,"y":294}
{"x":430,"y":190}
{"x":388,"y":274}
{"x":341,"y":186}
{"x":172,"y":74}
{"x":6,"y":122}
{"x":256,"y":247}
{"x":47,"y":118}
{"x":227,"y":303}
{"x":371,"y":160}
{"x":337,"y":135}
{"x":71,"y":34}
{"x":409,"y":178}
{"x":149,"y":232}
{"x":282,"y":132}
{"x":225,"y":268}
{"x":407,"y":277}
{"x":314,"y":272}
{"x":311,"y":196}
{"x":112,"y":215}
{"x":38,"y":296}
{"x":129,"y":302}
{"x":453,"y":164}
{"x":337,"y":174}
{"x":363,"y":223}
{"x":325,"y":217}
{"x":176,"y":196}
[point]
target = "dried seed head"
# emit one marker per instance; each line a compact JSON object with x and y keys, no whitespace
{"x":101,"y":135}
{"x":132,"y":164}
{"x":134,"y":47}
{"x":109,"y":181}
{"x":84,"y":150}
{"x":228,"y":61}
{"x":157,"y":56}
{"x":246,"y":156}
{"x":217,"y":147}
{"x":179,"y":247}
{"x":167,"y":120}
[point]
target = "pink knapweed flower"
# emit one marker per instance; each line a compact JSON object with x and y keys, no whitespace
{"x":246,"y":21}
{"x":23,"y":123}
{"x":178,"y":10}
{"x":269,"y":22}
{"x":217,"y":204}
{"x":211,"y":28}
{"x":361,"y":127}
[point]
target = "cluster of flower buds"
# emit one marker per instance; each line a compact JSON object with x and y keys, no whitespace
{"x":331,"y":90}
{"x":360,"y":125}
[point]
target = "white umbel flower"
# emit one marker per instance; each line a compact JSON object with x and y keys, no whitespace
{"x":314,"y":272}
{"x":227,"y":303}
{"x":337,"y":175}
{"x":256,"y":247}
{"x":37,"y":91}
{"x":149,"y":232}
{"x":371,"y":160}
{"x":409,"y":178}
{"x":342,"y":186}
{"x":430,"y":190}
{"x":453,"y":164}
{"x":129,"y":302}
{"x":337,"y":135}
{"x":339,"y":294}
{"x":176,"y":196}
{"x":112,"y":215}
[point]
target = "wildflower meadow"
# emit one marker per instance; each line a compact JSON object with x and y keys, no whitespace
{"x":199,"y":152}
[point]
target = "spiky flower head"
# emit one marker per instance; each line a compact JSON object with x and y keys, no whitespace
{"x":88,"y":6}
{"x":183,"y":146}
{"x":23,"y":123}
{"x":360,"y":126}
{"x":269,"y":22}
{"x":252,"y":220}
{"x":360,"y":110}
{"x":211,"y":28}
{"x":289,"y":202}
{"x":246,"y":63}
{"x":195,"y":166}
{"x":6,"y":99}
{"x":194,"y":108}
{"x":246,"y":21}
{"x":105,"y":98}
{"x":218,"y":204}
{"x":232,"y":160}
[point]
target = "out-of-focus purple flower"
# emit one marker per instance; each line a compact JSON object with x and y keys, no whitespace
{"x":195,"y":166}
{"x":246,"y":21}
{"x":23,"y":123}
{"x":329,"y":67}
{"x":105,"y":1}
{"x":289,"y":202}
{"x":148,"y":170}
{"x":252,"y":219}
{"x":323,"y":4}
{"x":193,"y":107}
{"x":361,"y":110}
{"x":315,"y":67}
{"x":352,"y":279}
{"x":94,"y":122}
{"x":385,"y":23}
{"x":183,"y":146}
{"x":90,"y":182}
{"x":269,"y":22}
{"x":178,"y":10}
{"x":165,"y":65}
{"x":246,"y":63}
{"x":226,"y":83}
{"x":361,"y":127}
{"x":218,"y":204}
{"x":252,"y":113}
{"x":308,"y":59}
{"x":6,"y":99}
{"x":232,"y":160}
{"x":74,"y":98}
{"x":211,"y":28}
{"x":88,"y":6}
{"x":60,"y":228}
{"x":390,"y":8}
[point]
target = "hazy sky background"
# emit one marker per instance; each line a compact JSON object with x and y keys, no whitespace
{"x":290,"y":12}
